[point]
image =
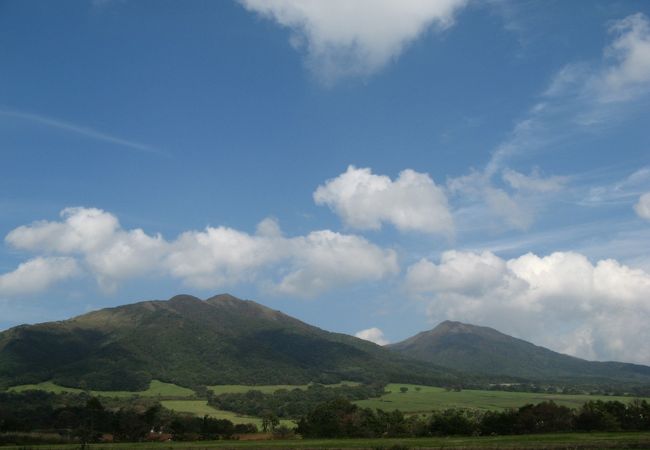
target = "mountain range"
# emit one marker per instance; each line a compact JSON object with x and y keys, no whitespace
{"x":483,"y":350}
{"x":225,"y":340}
{"x":192,"y":342}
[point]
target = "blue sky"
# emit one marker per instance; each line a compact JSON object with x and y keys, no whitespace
{"x":370,"y":167}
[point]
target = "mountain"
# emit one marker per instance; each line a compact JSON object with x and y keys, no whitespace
{"x":485,"y":351}
{"x":192,"y":342}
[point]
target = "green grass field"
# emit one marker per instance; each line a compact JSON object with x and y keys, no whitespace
{"x":433,"y":398}
{"x":267,"y":389}
{"x":540,"y":441}
{"x":201,"y":408}
{"x":156,"y":389}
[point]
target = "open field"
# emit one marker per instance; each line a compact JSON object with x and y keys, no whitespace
{"x":156,"y":389}
{"x":434,"y":398}
{"x":201,"y":408}
{"x":541,"y":441}
{"x":267,"y":389}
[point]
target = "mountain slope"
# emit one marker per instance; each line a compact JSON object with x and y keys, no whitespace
{"x":485,"y":351}
{"x":190,"y":342}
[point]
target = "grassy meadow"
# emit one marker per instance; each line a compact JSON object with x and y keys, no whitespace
{"x":417,"y":399}
{"x":428,"y":398}
{"x":156,"y":389}
{"x":201,"y":408}
{"x":266,"y":389}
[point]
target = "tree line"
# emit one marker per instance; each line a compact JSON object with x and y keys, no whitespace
{"x":82,"y":418}
{"x":341,"y":418}
{"x":292,"y":403}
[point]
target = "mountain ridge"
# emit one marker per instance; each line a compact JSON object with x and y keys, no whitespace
{"x":480,"y":349}
{"x":189,"y":341}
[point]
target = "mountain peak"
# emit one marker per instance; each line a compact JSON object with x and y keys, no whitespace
{"x":189,"y":341}
{"x":480,"y":349}
{"x":453,"y":326}
{"x":225,"y":297}
{"x":184,"y":298}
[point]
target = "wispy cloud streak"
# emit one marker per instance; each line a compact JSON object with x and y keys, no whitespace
{"x":81,"y":130}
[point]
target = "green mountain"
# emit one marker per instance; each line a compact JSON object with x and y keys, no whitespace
{"x":485,"y":351}
{"x":193,"y":342}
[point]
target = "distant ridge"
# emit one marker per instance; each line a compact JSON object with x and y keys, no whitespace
{"x":191,"y":342}
{"x":486,"y":351}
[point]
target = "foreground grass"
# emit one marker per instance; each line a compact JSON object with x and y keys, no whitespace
{"x":539,"y":441}
{"x":201,"y":408}
{"x":429,"y":398}
{"x":156,"y":389}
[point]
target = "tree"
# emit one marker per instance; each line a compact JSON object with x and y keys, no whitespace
{"x":403,"y":389}
{"x":269,"y":421}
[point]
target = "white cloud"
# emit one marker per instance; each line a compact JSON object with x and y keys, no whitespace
{"x":629,"y":74}
{"x":221,"y":256}
{"x":622,"y":76}
{"x":533,"y":182}
{"x":561,"y":300}
{"x":516,"y":207}
{"x":302,"y":266}
{"x":642,"y":207}
{"x":354,"y":38}
{"x":373,"y":335}
{"x":82,"y":230}
{"x":111,"y":253}
{"x":37,"y":274}
{"x":324,"y":259}
{"x":363,"y":200}
{"x":516,"y":210}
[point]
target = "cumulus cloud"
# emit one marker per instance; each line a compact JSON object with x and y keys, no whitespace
{"x":111,"y":253}
{"x":37,"y":275}
{"x":642,"y":207}
{"x":373,"y":335}
{"x":325,"y":259}
{"x":302,"y":266}
{"x":343,"y":38}
{"x":363,"y":200}
{"x":81,"y":230}
{"x":562,"y":300}
{"x":220,"y":256}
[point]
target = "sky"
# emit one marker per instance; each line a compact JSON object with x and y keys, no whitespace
{"x":371,"y":167}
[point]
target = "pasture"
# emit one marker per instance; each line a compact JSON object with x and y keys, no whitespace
{"x":428,"y":398}
{"x":201,"y":408}
{"x":156,"y":389}
{"x":267,"y":389}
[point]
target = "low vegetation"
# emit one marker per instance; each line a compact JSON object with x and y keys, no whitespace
{"x":35,"y":416}
{"x":427,"y":398}
{"x":293,"y":403}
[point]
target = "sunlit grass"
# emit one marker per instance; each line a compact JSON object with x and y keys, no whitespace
{"x":428,"y":398}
